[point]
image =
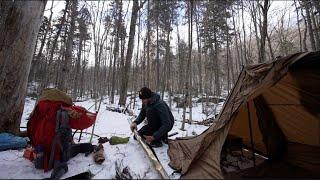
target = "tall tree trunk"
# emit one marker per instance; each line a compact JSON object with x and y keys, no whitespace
{"x":315,"y":28}
{"x":148,"y":46}
{"x":264,"y":31}
{"x":36,"y":60}
{"x":158,"y":50}
{"x":143,"y":67}
{"x":116,"y":50}
{"x":311,"y":35}
{"x":69,"y":46}
{"x":229,"y":65}
{"x":270,"y":47}
{"x":124,"y":82}
{"x":299,"y":29}
{"x":122,"y":63}
{"x":76,"y":74}
{"x":244,"y":36}
{"x":110,"y":67}
{"x":304,"y":40}
{"x":255,"y":23}
{"x":238,"y":59}
{"x":19,"y":26}
{"x":166,"y":63}
{"x":199,"y":54}
{"x":188,"y":79}
{"x":135,"y":70}
{"x":217,"y":88}
{"x":54,"y":45}
{"x":84,"y":63}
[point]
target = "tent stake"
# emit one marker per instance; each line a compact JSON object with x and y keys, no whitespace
{"x":251,"y":138}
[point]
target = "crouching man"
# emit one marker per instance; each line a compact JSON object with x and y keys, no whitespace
{"x":159,"y":117}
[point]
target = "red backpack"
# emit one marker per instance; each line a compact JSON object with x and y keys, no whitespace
{"x":42,"y":128}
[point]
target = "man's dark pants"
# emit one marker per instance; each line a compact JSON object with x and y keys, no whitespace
{"x":153,"y":125}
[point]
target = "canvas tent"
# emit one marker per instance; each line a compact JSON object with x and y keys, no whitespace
{"x":280,"y":101}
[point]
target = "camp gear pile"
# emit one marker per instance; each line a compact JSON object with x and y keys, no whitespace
{"x":10,"y":141}
{"x":49,"y":128}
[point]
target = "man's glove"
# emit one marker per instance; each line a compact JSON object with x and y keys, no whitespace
{"x":133,"y":126}
{"x":149,"y":139}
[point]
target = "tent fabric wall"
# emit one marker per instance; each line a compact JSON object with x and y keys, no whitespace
{"x":273,"y":136}
{"x":199,"y":157}
{"x":292,"y":106}
{"x":305,"y":156}
{"x":241,"y":126}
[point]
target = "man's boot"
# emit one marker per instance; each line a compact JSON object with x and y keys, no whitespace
{"x":156,"y":144}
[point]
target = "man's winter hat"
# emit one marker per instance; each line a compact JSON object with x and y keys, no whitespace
{"x":145,"y":93}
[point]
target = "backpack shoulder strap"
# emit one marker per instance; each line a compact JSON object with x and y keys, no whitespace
{"x":63,"y":137}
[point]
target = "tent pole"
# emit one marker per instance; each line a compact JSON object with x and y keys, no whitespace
{"x":80,"y":136}
{"x":73,"y":133}
{"x":251,"y":137}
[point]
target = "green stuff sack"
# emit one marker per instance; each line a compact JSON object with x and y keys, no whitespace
{"x":118,"y":140}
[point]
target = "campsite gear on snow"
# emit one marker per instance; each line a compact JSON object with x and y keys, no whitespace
{"x":123,"y":110}
{"x":102,"y":140}
{"x":39,"y":155}
{"x":51,"y":122}
{"x":98,"y":154}
{"x":10,"y":141}
{"x":290,"y":89}
{"x":51,"y":94}
{"x":114,"y":140}
{"x":173,"y":134}
{"x":145,"y":93}
{"x":158,"y":166}
{"x":61,"y":140}
{"x":29,"y":153}
{"x":80,"y":118}
{"x":83,"y":175}
{"x":159,"y":117}
{"x":59,"y":169}
{"x":81,"y":132}
{"x":86,"y":148}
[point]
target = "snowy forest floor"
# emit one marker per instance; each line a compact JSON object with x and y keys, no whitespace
{"x":131,"y":155}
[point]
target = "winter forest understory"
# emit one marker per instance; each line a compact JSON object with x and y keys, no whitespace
{"x":102,"y":53}
{"x":115,"y":47}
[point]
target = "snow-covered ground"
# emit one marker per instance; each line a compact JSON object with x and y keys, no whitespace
{"x":131,"y":155}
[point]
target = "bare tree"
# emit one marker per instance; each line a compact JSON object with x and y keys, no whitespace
{"x":125,"y":74}
{"x":298,"y":23}
{"x":188,"y":79}
{"x":117,"y":29}
{"x":69,"y":48}
{"x":36,"y":59}
{"x":306,"y":6}
{"x":264,"y":30}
